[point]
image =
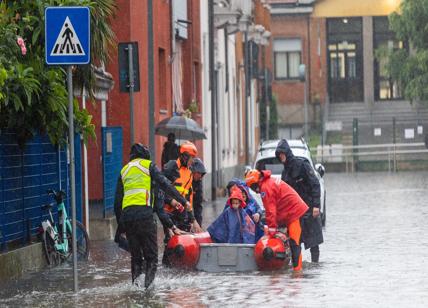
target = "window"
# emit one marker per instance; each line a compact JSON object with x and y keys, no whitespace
{"x":287,"y":57}
{"x":162,"y":73}
{"x":343,"y":62}
{"x":384,"y":41}
{"x":345,"y":59}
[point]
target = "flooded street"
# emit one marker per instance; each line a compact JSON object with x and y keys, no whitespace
{"x":375,"y":255}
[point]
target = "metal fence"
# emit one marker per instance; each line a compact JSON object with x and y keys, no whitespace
{"x":25,"y":176}
{"x":395,"y":130}
{"x":390,"y":154}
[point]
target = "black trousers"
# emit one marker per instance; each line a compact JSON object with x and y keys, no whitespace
{"x":142,"y":238}
{"x":197,"y":210}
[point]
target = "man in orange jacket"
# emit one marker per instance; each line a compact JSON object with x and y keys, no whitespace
{"x":183,"y":183}
{"x":283,"y":207}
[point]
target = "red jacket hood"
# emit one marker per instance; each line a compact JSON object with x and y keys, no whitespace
{"x":236,"y":194}
{"x":266,"y":174}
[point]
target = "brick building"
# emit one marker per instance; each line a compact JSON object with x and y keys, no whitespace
{"x":170,"y":51}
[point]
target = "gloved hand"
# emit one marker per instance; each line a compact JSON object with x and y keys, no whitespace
{"x":272,"y":231}
{"x":179,"y":208}
{"x":281,"y":236}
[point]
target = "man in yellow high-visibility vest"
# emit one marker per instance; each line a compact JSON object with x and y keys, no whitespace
{"x":134,"y":207}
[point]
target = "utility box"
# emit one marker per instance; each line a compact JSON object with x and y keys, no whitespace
{"x":216,"y":257}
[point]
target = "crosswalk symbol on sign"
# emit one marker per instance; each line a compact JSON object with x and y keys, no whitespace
{"x":67,"y":42}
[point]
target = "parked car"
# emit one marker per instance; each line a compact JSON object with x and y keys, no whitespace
{"x":266,"y":160}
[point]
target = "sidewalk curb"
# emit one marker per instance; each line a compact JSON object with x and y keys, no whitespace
{"x":15,"y":263}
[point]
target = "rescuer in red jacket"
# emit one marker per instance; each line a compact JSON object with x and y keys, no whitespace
{"x":283,"y":206}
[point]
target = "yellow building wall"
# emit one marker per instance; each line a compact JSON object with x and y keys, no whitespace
{"x":349,"y":8}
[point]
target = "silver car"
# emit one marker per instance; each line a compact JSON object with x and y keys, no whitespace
{"x":266,"y":159}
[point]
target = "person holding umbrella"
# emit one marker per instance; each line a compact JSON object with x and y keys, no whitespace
{"x":170,"y":150}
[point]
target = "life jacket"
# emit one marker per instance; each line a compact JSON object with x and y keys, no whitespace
{"x":136,"y":183}
{"x":184,"y":183}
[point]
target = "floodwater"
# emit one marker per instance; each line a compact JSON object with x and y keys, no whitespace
{"x":375,"y":255}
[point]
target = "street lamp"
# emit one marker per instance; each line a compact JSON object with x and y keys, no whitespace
{"x":302,"y":78}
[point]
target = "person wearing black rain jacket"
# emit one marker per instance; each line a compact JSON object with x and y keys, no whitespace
{"x":198,"y":170}
{"x":299,"y":174}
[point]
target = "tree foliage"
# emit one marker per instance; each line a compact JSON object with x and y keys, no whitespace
{"x":33,"y":96}
{"x":410,"y":69}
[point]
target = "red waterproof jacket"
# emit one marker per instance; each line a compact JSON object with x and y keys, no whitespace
{"x":282,"y":203}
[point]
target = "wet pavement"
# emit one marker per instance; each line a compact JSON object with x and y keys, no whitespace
{"x":375,"y":255}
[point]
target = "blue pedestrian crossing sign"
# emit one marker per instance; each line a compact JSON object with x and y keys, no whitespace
{"x":67,"y":35}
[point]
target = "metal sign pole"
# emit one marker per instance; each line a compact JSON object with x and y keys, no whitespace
{"x":72,"y":171}
{"x":131,"y":90}
{"x":68,"y":45}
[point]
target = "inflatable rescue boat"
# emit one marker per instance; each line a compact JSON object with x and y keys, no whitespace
{"x":197,"y":251}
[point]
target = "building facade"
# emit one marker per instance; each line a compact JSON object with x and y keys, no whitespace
{"x":175,"y":78}
{"x":341,"y":44}
{"x":175,"y":75}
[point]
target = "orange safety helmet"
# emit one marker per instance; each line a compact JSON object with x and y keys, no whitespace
{"x":252,"y":177}
{"x":189,"y":148}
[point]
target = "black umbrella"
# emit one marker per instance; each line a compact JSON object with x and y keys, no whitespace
{"x":182,"y":127}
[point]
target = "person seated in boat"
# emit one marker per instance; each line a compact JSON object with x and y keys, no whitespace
{"x":252,"y":208}
{"x":233,"y":225}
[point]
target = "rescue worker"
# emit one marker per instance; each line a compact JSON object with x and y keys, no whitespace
{"x":299,"y":174}
{"x":198,"y":172}
{"x":283,"y":208}
{"x":184,"y":219}
{"x":134,"y":203}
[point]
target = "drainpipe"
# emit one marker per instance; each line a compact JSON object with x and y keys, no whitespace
{"x":172,"y":57}
{"x":213,"y":89}
{"x":151,"y":88}
{"x":85,"y":161}
{"x":247,"y":93}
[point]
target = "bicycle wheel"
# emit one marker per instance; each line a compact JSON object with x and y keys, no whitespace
{"x":52,"y":256}
{"x":82,"y":241}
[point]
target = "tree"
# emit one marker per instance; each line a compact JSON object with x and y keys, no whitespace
{"x":33,"y":96}
{"x":410,"y":70}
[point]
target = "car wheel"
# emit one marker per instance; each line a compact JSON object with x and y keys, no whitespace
{"x":324,"y":212}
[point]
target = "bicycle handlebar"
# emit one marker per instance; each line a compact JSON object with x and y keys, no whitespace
{"x":57,"y":195}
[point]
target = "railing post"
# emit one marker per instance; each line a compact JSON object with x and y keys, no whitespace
{"x":395,"y":158}
{"x":354,"y":138}
{"x":346,"y":164}
{"x":389,"y":160}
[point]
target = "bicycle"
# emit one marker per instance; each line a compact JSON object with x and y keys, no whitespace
{"x":57,"y":237}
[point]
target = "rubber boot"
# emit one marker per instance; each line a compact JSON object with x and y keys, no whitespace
{"x":165,"y":258}
{"x":315,"y":254}
{"x":136,"y":270}
{"x":150,"y":273}
{"x":296,"y":255}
